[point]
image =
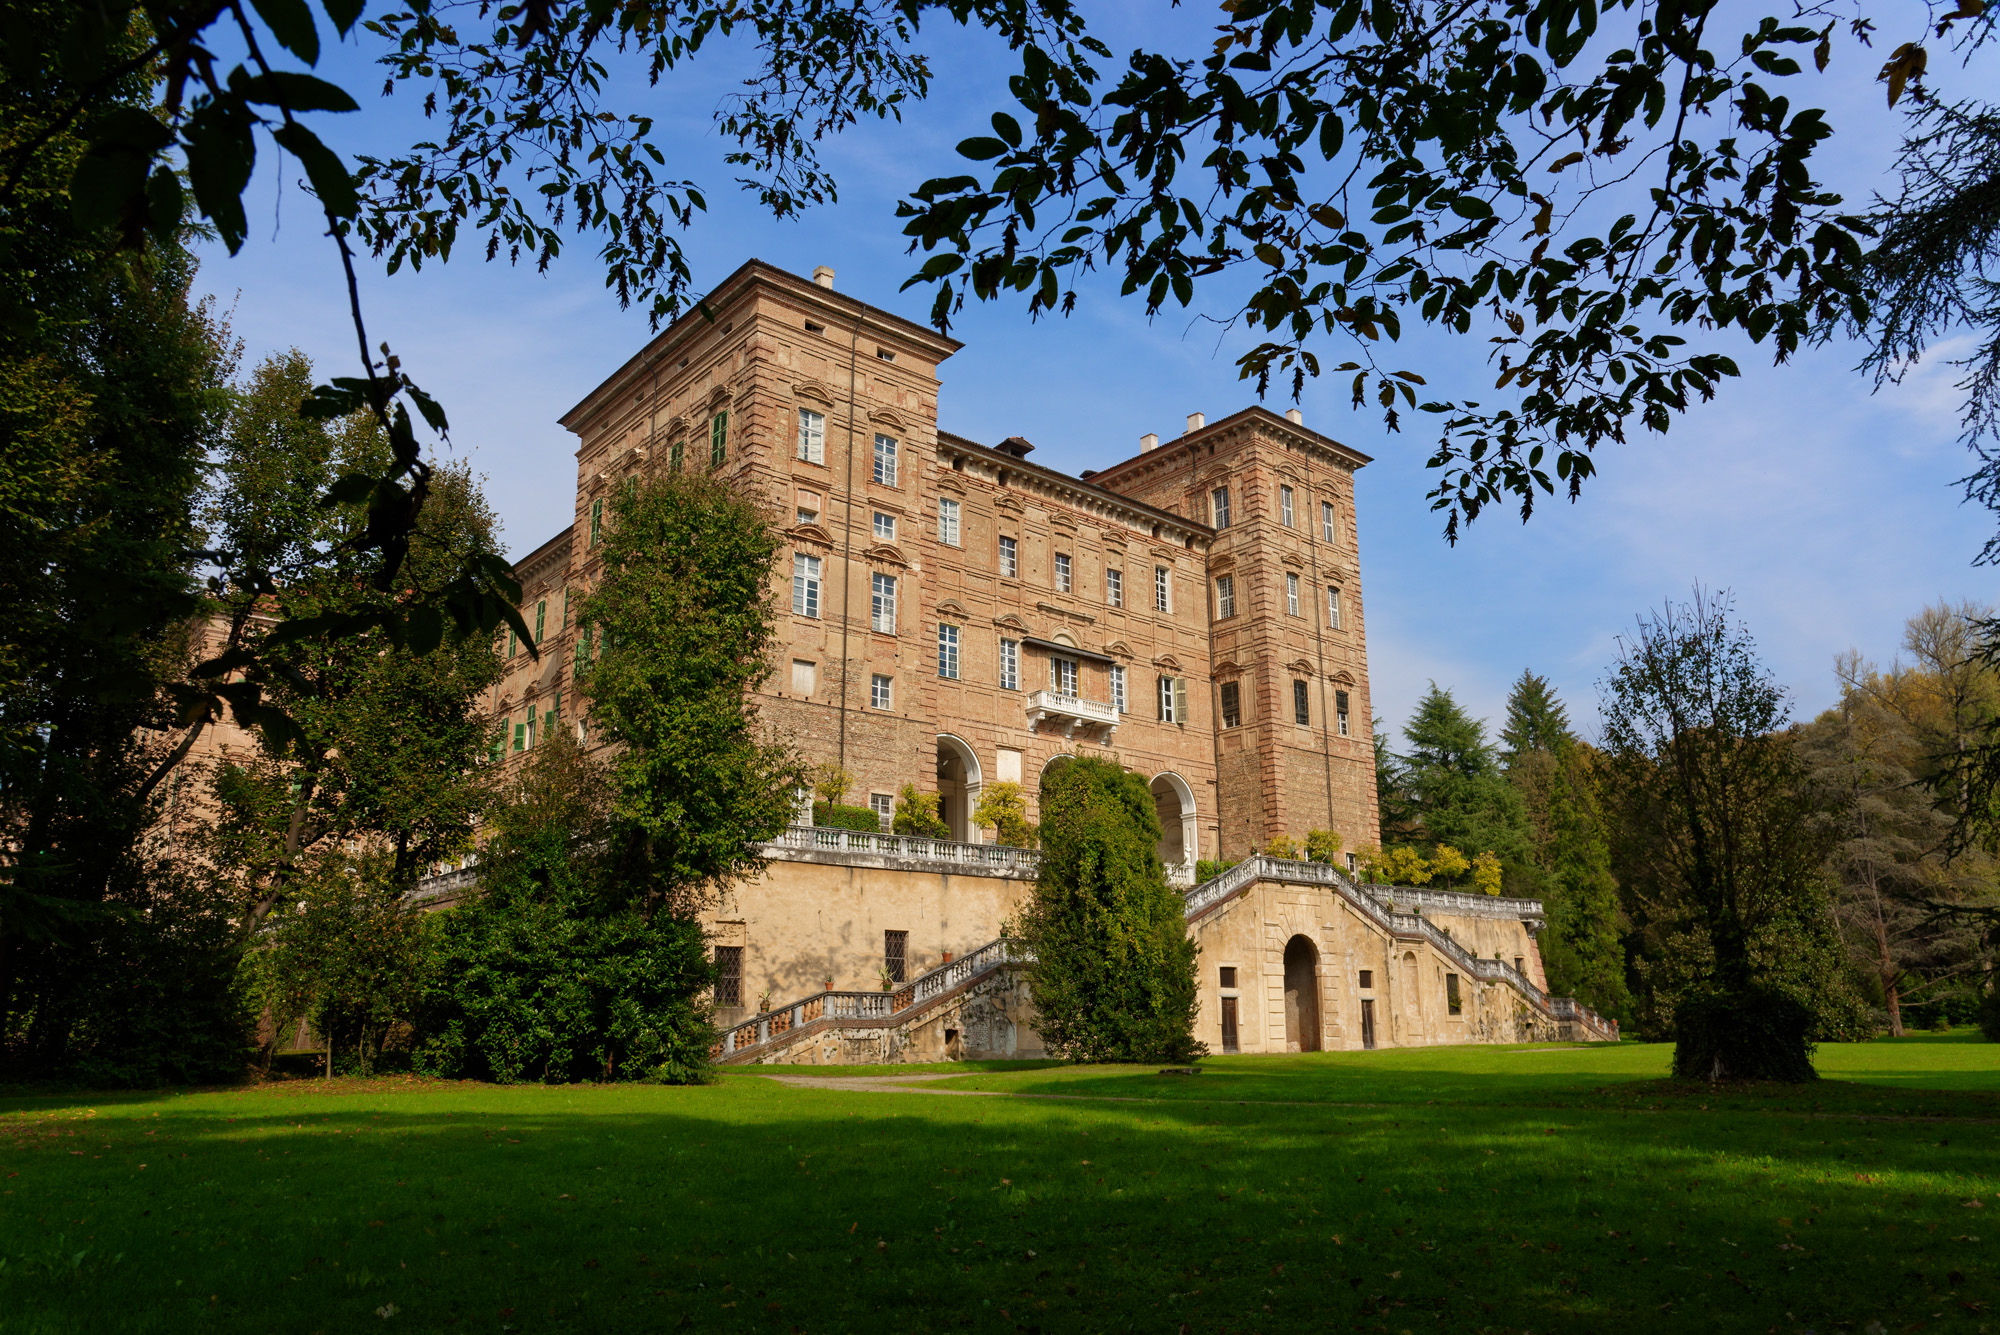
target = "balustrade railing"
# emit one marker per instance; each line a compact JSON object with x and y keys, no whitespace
{"x":819,"y":838}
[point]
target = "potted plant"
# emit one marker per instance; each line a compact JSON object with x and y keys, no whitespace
{"x":888,"y":979}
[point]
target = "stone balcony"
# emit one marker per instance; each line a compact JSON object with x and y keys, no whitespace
{"x":1071,"y":712}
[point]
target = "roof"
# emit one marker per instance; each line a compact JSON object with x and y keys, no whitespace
{"x":1014,"y":463}
{"x":1345,"y":454}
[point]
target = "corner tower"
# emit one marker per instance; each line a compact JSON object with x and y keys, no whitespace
{"x":1288,"y":640}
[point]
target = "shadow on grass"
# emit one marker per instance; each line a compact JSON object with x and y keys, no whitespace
{"x":755,"y":1206}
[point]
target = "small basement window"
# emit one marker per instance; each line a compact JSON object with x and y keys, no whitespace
{"x":885,"y":354}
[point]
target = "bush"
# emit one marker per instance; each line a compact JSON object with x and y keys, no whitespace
{"x":1004,"y":808}
{"x":917,"y":814}
{"x":1207,"y":869}
{"x":1285,"y":848}
{"x":1323,"y":846}
{"x":1114,"y":971}
{"x":833,"y":816}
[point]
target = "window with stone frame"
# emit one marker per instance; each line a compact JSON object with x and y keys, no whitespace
{"x":881,"y":692}
{"x":885,"y":460}
{"x":1333,"y":607}
{"x":885,"y":527}
{"x":812,"y":436}
{"x":729,"y":975}
{"x":896,"y":956}
{"x":1218,"y":507}
{"x":1328,"y":530}
{"x":1010,"y":665}
{"x":1163,"y":589}
{"x":1301,"y":703}
{"x":1114,"y":588}
{"x":1118,"y":701}
{"x":947,"y":658}
{"x":1010,"y":558}
{"x":1225,"y":597}
{"x":1291,"y":594}
{"x":718,"y":439}
{"x":1232,"y":704}
{"x":805,"y":585}
{"x":884,"y":807}
{"x":948,"y":511}
{"x":1285,"y":506}
{"x":808,"y":506}
{"x":1062,"y":572}
{"x":1062,"y":676}
{"x":1340,"y":712}
{"x":882,"y":603}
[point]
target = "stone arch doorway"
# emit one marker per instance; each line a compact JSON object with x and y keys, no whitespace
{"x":1174,"y":800}
{"x":1301,"y":995}
{"x":958,"y":782}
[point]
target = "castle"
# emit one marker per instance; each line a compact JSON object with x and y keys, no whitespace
{"x":953,"y":614}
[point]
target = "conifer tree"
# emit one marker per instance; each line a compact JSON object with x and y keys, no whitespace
{"x":1458,"y":795}
{"x":1536,"y":719}
{"x":1114,"y":972}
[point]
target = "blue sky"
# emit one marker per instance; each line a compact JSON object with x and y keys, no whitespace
{"x":1829,"y":511}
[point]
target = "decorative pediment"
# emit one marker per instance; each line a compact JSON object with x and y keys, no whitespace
{"x":1118,"y":649}
{"x":888,"y":417}
{"x":811,"y":533}
{"x":951,"y":482}
{"x":1300,"y":666}
{"x":1008,"y":621}
{"x":813,"y":389}
{"x":1222,"y":565}
{"x":1342,"y":677}
{"x":1010,"y":505}
{"x":886,"y":554}
{"x":674,"y":425}
{"x":1164,"y":556}
{"x":1112,"y":539}
{"x":1167,"y":661}
{"x":1226,"y":668}
{"x":951,"y":607}
{"x":720,"y":395}
{"x":1293,"y":559}
{"x":1062,"y":521}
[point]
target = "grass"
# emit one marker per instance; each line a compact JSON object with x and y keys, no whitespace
{"x":1466,"y":1189}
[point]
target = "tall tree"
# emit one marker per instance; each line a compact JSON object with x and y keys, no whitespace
{"x":1458,"y":795}
{"x":1114,"y":971}
{"x":1583,"y":949}
{"x":1722,"y":851}
{"x":1536,"y":718}
{"x":684,"y":610}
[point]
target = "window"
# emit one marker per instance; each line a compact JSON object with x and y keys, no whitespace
{"x":1118,"y":690}
{"x":1518,"y":962}
{"x":1173,"y":700}
{"x":1326,"y":528}
{"x":883,"y":354}
{"x":1285,"y":506}
{"x":1010,"y":665}
{"x":1367,"y":978}
{"x":885,"y":527}
{"x":729,"y":975}
{"x":884,"y":807}
{"x":1219,"y":506}
{"x":885,"y":461}
{"x":1232,"y":704}
{"x":1229,"y":1039}
{"x":1114,"y":588}
{"x":1010,"y":559}
{"x":1452,"y":1004}
{"x":541,"y":618}
{"x":881,"y":692}
{"x":1353,"y":864}
{"x":805,"y":585}
{"x":1062,"y":573}
{"x":531,"y":725}
{"x":1291,"y":594}
{"x":947,"y":649}
{"x":1162,"y":589}
{"x":1301,"y":704}
{"x":808,"y":507}
{"x":718,"y":439}
{"x":1225,"y":596}
{"x":947,"y":521}
{"x":882,"y":605}
{"x":896,"y":955}
{"x":1340,"y":712}
{"x":520,"y":736}
{"x":1062,"y":676}
{"x":596,"y":520}
{"x":674,"y":452}
{"x":812,"y":436}
{"x":513,"y":641}
{"x":1229,"y":975}
{"x":1332,"y":607}
{"x":566,"y":604}
{"x":805,"y":677}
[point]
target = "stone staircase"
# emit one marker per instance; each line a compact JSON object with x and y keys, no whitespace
{"x":984,"y":989}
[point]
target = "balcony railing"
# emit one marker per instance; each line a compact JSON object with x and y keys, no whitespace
{"x":1070,"y":711}
{"x":1023,"y":862}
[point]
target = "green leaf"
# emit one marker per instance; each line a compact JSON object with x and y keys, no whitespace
{"x":329,"y":177}
{"x":291,"y":22}
{"x":297,"y":92}
{"x":1007,"y":128}
{"x":1471,"y":206}
{"x":344,"y":13}
{"x":979,"y":149}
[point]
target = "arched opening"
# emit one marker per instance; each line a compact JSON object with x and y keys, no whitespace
{"x":1174,"y":801}
{"x":1301,"y":995}
{"x":1049,"y":768}
{"x":958,"y":783}
{"x":1413,"y":1013}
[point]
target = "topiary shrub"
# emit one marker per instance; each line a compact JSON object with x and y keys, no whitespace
{"x":834,"y":816}
{"x":1114,"y":971}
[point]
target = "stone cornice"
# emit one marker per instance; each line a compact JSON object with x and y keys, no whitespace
{"x":1176,"y":453}
{"x":1136,"y":516}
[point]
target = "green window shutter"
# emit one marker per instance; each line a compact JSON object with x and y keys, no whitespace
{"x":596,"y":520}
{"x":565,"y":624}
{"x":1180,"y":701}
{"x":674,"y":455}
{"x":520,"y":736}
{"x":718,"y":439}
{"x":548,"y":724}
{"x":541,"y":618}
{"x":513,"y":641}
{"x":557,"y":711}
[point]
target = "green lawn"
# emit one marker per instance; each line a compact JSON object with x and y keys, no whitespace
{"x":1468,"y":1189}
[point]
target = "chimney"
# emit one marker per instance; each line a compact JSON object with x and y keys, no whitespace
{"x":823,"y":276}
{"x":1149,"y":441}
{"x":1196,"y":422}
{"x":1295,"y":417}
